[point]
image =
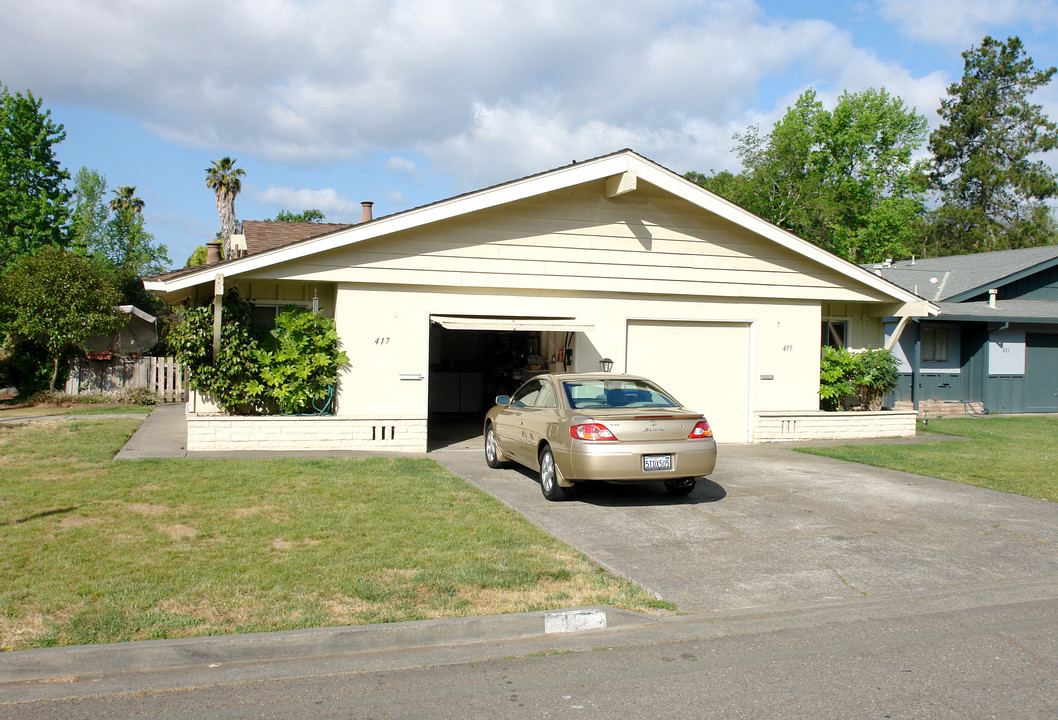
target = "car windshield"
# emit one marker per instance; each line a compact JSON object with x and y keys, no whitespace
{"x":614,"y":393}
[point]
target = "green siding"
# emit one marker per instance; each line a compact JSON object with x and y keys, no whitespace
{"x":1041,"y":372}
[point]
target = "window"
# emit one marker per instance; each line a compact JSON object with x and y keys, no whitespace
{"x":526,"y":395}
{"x":615,"y":393}
{"x":265,"y":315}
{"x":834,"y":334}
{"x":934,"y":344}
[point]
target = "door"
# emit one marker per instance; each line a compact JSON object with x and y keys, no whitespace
{"x":1040,"y":392}
{"x":706,"y":366}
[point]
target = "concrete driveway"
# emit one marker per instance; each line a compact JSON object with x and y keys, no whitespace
{"x":773,"y":527}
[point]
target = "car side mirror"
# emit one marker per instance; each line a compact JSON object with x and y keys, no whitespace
{"x":503,"y":400}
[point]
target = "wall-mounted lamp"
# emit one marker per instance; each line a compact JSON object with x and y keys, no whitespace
{"x":606,"y":364}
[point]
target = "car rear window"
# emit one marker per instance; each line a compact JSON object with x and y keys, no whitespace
{"x":605,"y":393}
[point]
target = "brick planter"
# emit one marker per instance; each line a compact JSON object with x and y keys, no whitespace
{"x":776,"y":426}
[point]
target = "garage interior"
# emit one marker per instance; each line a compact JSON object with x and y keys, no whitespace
{"x":470,"y":366}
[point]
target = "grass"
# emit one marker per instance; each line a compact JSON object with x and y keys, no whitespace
{"x":100,"y":551}
{"x":1011,"y":454}
{"x":11,"y":412}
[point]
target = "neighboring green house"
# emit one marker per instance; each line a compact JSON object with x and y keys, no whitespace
{"x":995,"y":340}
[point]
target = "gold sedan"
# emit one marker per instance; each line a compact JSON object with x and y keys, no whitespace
{"x":598,"y":426}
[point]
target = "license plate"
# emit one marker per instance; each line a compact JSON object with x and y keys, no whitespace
{"x":657,"y":462}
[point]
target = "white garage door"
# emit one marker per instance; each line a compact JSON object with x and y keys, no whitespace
{"x":705,"y":365}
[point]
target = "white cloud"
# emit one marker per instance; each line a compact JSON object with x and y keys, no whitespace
{"x":962,"y":23}
{"x":326,"y":200}
{"x":486,"y":90}
{"x":402,"y":165}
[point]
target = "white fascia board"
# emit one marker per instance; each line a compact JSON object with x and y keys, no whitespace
{"x":682,"y":187}
{"x":443,"y":210}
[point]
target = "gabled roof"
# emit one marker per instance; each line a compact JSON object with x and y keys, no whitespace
{"x":620,"y":170}
{"x":960,"y":277}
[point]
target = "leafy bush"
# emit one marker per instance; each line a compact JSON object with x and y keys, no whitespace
{"x":877,"y":377}
{"x":286,"y":371}
{"x":836,"y":370}
{"x":299,"y":362}
{"x":230,"y":379}
{"x":869,"y":375}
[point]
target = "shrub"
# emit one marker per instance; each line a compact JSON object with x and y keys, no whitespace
{"x":288,"y":370}
{"x":869,"y":375}
{"x":299,"y":362}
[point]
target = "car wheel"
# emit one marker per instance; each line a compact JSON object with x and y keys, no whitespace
{"x":549,"y":476}
{"x":683,"y":486}
{"x":493,"y":457}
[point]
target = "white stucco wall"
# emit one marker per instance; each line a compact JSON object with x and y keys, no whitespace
{"x":386,"y":336}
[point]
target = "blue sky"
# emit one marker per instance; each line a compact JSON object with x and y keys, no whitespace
{"x":403,"y":102}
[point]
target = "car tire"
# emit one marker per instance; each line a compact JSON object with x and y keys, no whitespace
{"x":493,"y":456}
{"x":682,"y":486}
{"x":550,"y":475}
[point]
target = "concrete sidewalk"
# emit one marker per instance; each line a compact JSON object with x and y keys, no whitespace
{"x":162,"y":435}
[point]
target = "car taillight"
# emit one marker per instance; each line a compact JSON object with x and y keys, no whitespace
{"x":590,"y":431}
{"x":701,"y":430}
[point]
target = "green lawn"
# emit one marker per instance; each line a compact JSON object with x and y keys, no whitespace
{"x":7,"y":412}
{"x":102,"y":551}
{"x":1012,"y":454}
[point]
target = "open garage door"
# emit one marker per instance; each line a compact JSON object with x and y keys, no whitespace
{"x":475,"y":358}
{"x":705,"y":365}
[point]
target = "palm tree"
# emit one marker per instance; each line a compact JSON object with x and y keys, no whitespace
{"x":223,"y":179}
{"x":125,"y":199}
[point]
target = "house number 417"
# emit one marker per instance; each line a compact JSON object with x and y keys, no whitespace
{"x":382,"y":341}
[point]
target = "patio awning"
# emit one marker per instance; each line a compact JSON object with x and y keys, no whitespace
{"x":477,"y":322}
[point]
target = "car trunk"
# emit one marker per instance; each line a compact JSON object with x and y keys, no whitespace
{"x":646,"y":424}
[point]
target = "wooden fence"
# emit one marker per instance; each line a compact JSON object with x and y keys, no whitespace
{"x":162,"y":376}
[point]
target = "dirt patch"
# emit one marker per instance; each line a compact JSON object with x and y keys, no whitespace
{"x":18,"y":631}
{"x":176,"y":531}
{"x":69,"y":523}
{"x":147,"y":509}
{"x":207,"y":613}
{"x":281,"y":544}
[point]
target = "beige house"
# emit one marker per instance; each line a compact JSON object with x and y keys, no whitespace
{"x":442,"y":307}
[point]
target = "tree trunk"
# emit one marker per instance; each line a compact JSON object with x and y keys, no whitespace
{"x":54,"y":372}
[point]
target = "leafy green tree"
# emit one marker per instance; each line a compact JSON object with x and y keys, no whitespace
{"x":89,"y":212}
{"x":114,"y":234}
{"x":33,"y":194}
{"x":223,"y":177}
{"x":57,"y":299}
{"x":986,"y":162}
{"x":310,"y":215}
{"x":844,"y":179}
{"x":125,"y":199}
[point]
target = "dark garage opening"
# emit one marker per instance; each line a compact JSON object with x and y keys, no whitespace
{"x":469,"y":368}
